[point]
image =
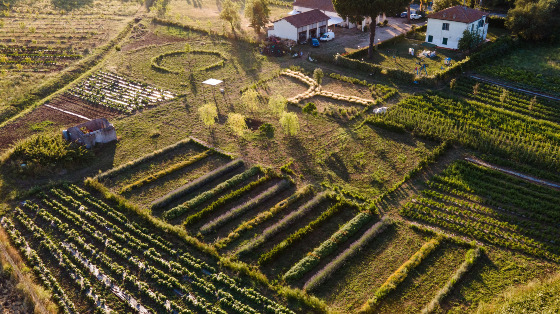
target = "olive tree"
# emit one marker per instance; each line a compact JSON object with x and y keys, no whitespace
{"x":290,"y":123}
{"x":237,"y":123}
{"x":257,"y":12}
{"x":250,"y":100}
{"x":208,"y":114}
{"x":230,"y":14}
{"x":277,"y":104}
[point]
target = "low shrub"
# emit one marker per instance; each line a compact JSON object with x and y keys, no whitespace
{"x":267,"y":130}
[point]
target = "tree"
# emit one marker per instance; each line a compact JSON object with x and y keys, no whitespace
{"x":535,"y":20}
{"x":257,"y":12}
{"x":277,"y":104}
{"x":444,"y":4}
{"x":359,"y":9}
{"x":318,"y":75}
{"x":290,"y":123}
{"x":250,"y":100}
{"x":160,"y":8}
{"x":230,"y":14}
{"x":237,"y":123}
{"x":469,"y":40}
{"x":208,"y":114}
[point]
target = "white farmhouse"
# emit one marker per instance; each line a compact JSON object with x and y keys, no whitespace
{"x":300,"y":27}
{"x":446,"y":27}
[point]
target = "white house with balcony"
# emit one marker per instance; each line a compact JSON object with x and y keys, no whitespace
{"x":446,"y":27}
{"x":301,"y":26}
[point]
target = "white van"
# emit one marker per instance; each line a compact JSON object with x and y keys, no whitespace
{"x":328,"y":36}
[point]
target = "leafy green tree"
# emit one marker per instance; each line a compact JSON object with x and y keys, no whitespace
{"x":444,"y":4}
{"x":258,"y":13}
{"x":208,"y":114}
{"x":318,"y":75}
{"x":469,"y":40}
{"x":290,"y":123}
{"x":359,"y":9}
{"x":277,"y":104}
{"x":535,"y":20}
{"x":250,"y":100}
{"x":237,"y":123}
{"x":230,"y":14}
{"x":160,"y":8}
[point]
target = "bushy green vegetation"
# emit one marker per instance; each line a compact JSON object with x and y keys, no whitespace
{"x":42,"y":153}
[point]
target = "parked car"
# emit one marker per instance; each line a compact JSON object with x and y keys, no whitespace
{"x":404,"y":14}
{"x":414,"y":16}
{"x":328,"y":36}
{"x":315,"y":42}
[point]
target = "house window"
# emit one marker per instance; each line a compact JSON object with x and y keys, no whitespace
{"x":445,"y":26}
{"x":444,"y":41}
{"x":481,"y":23}
{"x":430,"y":38}
{"x":472,"y":28}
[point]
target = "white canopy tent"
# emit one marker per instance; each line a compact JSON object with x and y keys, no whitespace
{"x":213,"y":83}
{"x":335,"y":21}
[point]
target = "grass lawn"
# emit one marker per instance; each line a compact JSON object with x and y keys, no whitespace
{"x":395,"y":56}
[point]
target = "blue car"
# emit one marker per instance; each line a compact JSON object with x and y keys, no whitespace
{"x":315,"y":42}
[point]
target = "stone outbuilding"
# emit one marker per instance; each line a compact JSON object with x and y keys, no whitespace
{"x":98,"y":131}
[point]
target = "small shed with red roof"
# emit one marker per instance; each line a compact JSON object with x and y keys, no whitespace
{"x":302,"y":26}
{"x":446,"y":27}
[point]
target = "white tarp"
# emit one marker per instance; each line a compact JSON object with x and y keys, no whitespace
{"x":212,"y":82}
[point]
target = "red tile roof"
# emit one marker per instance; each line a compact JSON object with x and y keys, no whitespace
{"x":306,"y":18}
{"x":323,"y":5}
{"x":458,"y":13}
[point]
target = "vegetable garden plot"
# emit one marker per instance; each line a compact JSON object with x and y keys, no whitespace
{"x":96,"y":241}
{"x":491,"y":206}
{"x":113,"y":91}
{"x":35,"y":58}
{"x":536,"y":107}
{"x":80,"y":33}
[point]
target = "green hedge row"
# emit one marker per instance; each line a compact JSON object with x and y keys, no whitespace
{"x":234,"y":195}
{"x":178,"y":166}
{"x":207,"y":195}
{"x":263,"y":216}
{"x":156,"y":61}
{"x":301,"y":233}
{"x":400,"y":274}
{"x":326,"y":248}
{"x":196,"y":184}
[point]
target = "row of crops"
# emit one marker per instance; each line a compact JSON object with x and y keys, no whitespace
{"x":491,"y":206}
{"x":531,"y":106}
{"x":65,"y":232}
{"x":478,"y":125}
{"x":541,"y":81}
{"x":116,"y":92}
{"x":35,"y":56}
